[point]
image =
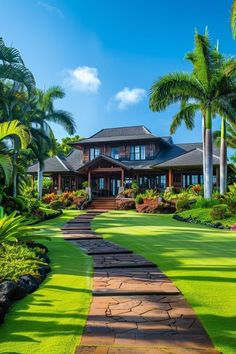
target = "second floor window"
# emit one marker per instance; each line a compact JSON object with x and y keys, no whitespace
{"x":115,"y":152}
{"x":93,"y":153}
{"x":137,"y":152}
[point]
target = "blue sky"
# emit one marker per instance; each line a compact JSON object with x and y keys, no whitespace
{"x":107,"y":53}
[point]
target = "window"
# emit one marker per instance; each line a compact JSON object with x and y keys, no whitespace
{"x":93,"y":153}
{"x":137,"y":152}
{"x":163,"y":182}
{"x":115,"y":152}
{"x":101,"y":183}
{"x":194,"y":179}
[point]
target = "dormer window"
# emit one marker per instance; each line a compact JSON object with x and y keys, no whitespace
{"x":115,"y":152}
{"x":137,"y":152}
{"x":94,"y":152}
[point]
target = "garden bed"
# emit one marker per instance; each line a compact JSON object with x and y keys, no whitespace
{"x":203,"y":216}
{"x":23,"y":267}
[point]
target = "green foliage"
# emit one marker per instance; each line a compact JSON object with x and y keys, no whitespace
{"x":230,"y":198}
{"x":56,"y":205}
{"x":233,"y":19}
{"x":183,"y":203}
{"x":18,"y":260}
{"x":206,"y":203}
{"x":150,"y":194}
{"x":15,"y":228}
{"x":220,"y":212}
{"x":139,"y":199}
{"x":134,"y":185}
{"x":63,"y":147}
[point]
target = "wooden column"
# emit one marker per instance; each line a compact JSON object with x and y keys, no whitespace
{"x":89,"y":179}
{"x":108,"y":185}
{"x":122,"y":177}
{"x":59,"y":182}
{"x":170,"y":178}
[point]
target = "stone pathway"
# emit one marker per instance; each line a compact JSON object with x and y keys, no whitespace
{"x":136,"y":309}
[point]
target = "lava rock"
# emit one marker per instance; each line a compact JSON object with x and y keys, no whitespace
{"x":5,"y":302}
{"x":12,"y":290}
{"x":44,"y":270}
{"x":2,"y":315}
{"x":43,"y":256}
{"x":29,"y":283}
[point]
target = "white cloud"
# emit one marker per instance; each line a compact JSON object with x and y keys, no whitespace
{"x":50,"y":8}
{"x":83,"y":78}
{"x":127,"y":97}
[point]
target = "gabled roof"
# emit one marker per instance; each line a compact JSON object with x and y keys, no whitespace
{"x":106,"y":158}
{"x":57,"y":163}
{"x":139,"y":132}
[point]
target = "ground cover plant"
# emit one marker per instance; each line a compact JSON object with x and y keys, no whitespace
{"x":199,"y":260}
{"x":53,"y":317}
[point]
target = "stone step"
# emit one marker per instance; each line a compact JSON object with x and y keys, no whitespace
{"x":96,"y":247}
{"x":166,"y":323}
{"x":76,"y":227}
{"x":132,"y":281}
{"x":82,"y":236}
{"x":101,"y":349}
{"x":120,"y":261}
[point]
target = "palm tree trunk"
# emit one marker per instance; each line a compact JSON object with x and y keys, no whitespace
{"x":223,"y":158}
{"x":208,"y":156}
{"x":40,"y":180}
{"x":204,"y":149}
{"x":14,"y":173}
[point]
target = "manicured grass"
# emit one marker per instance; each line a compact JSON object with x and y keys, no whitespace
{"x":51,"y":320}
{"x":204,"y":214}
{"x":201,"y":261}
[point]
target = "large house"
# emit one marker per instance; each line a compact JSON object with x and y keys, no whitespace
{"x":114,"y":157}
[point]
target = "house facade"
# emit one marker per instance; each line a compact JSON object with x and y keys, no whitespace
{"x":114,"y":157}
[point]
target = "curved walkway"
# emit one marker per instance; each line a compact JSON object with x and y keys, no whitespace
{"x":136,"y":309}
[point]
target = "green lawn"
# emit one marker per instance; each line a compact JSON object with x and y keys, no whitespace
{"x":50,"y":320}
{"x":201,"y":261}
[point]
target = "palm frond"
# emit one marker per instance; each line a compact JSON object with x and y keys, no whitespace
{"x":63,"y":118}
{"x":6,"y":167}
{"x":186,"y":115}
{"x":9,"y":54}
{"x":17,"y":130}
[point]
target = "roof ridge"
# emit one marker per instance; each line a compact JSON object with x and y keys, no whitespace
{"x":62,"y":163}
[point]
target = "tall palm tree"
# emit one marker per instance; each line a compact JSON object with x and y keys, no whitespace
{"x":44,"y":115}
{"x":14,"y":78}
{"x":205,"y":90}
{"x":233,"y":19}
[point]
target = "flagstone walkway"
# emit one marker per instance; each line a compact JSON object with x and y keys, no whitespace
{"x":136,"y":309}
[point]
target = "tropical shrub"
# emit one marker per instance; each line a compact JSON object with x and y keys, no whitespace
{"x":184,"y":203}
{"x":48,"y":198}
{"x":18,"y":260}
{"x":57,"y":205}
{"x":230,"y":198}
{"x":220,"y":211}
{"x":15,"y":228}
{"x":166,"y":208}
{"x":150,"y":194}
{"x":197,"y":189}
{"x":206,"y":203}
{"x":139,"y":199}
{"x":85,"y":184}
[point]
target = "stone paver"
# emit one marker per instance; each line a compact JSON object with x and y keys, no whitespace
{"x":120,"y":260}
{"x":143,"y":321}
{"x":101,"y":246}
{"x":136,"y":309}
{"x":132,"y":280}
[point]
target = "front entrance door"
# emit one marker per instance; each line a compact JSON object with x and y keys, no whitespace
{"x":99,"y":186}
{"x":115,"y":184}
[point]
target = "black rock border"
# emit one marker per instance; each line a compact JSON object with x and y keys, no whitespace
{"x":192,"y":220}
{"x":11,"y":291}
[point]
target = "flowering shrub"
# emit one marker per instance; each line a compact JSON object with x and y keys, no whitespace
{"x":48,"y":198}
{"x":196,"y":189}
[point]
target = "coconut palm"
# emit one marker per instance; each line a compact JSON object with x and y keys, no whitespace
{"x":45,"y":114}
{"x":206,"y":89}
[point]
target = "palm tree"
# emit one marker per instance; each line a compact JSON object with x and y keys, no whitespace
{"x":233,"y":19}
{"x":14,"y":79}
{"x":19,"y":132}
{"x":44,"y":115}
{"x":206,"y":90}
